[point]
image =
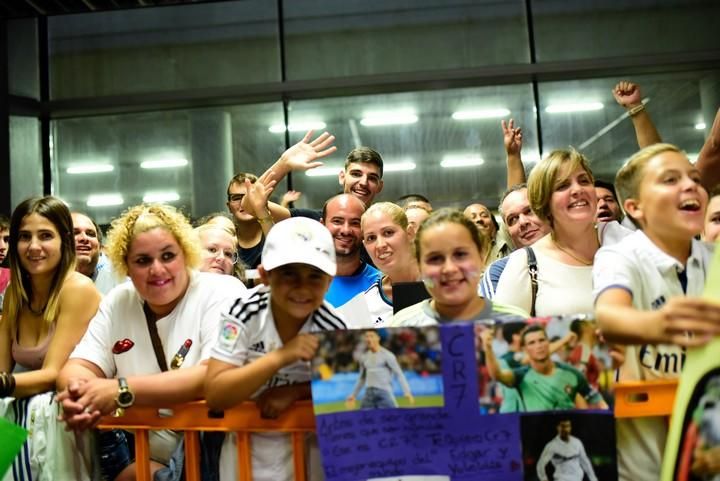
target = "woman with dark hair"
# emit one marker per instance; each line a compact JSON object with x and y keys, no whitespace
{"x":47,"y":305}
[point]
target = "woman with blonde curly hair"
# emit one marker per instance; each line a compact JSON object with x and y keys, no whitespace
{"x":147,"y":343}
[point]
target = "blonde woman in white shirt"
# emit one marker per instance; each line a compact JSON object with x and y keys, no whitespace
{"x":561,"y":192}
{"x":388,"y":239}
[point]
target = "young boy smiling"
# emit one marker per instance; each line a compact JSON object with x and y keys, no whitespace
{"x":265,"y":339}
{"x":646,"y":289}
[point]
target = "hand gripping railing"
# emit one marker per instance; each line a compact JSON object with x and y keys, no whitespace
{"x":194,"y":417}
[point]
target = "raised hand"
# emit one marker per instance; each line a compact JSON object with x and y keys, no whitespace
{"x":627,"y":94}
{"x":305,"y":154}
{"x":290,"y":196}
{"x":257,"y":195}
{"x":512,"y":137}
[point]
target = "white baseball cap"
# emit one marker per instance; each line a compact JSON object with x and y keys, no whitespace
{"x":299,"y":240}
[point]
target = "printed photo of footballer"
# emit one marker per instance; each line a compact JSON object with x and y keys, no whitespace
{"x":377,"y":369}
{"x":569,"y":446}
{"x":526,"y":367}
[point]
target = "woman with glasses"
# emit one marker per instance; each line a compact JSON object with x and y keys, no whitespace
{"x":148,"y":341}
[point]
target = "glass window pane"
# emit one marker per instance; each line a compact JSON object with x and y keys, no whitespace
{"x":162,"y":49}
{"x":327,"y":38}
{"x":23,"y":58}
{"x":102,"y":165}
{"x":26,"y":178}
{"x":678,"y":104}
{"x":584,"y":29}
{"x":429,"y":139}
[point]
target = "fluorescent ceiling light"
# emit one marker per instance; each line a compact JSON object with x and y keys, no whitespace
{"x":480,"y":114}
{"x":164,"y":163}
{"x":150,"y":197}
{"x":376,"y":119}
{"x":531,"y":159}
{"x":102,"y":200}
{"x":324,"y":171}
{"x":298,"y":127}
{"x":450,"y":161}
{"x":399,"y":166}
{"x":700,"y":126}
{"x":90,"y":168}
{"x":567,"y":107}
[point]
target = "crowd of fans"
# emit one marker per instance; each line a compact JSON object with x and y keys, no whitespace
{"x":157,"y":311}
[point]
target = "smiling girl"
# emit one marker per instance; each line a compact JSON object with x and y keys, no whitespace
{"x":449,"y":251}
{"x":47,"y":305}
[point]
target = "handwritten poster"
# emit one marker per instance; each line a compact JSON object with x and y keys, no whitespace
{"x":400,"y":403}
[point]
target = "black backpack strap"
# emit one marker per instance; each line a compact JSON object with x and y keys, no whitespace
{"x":533,"y":272}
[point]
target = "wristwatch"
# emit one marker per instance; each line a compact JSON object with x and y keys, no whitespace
{"x":125,"y":397}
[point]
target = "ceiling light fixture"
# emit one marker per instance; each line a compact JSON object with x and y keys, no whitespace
{"x":450,"y":161}
{"x":151,"y":197}
{"x":164,"y":163}
{"x":569,"y":107}
{"x":700,"y":126}
{"x":89,"y":168}
{"x":376,"y":119}
{"x":399,"y":166}
{"x":298,"y":127}
{"x":103,"y":200}
{"x":481,"y":114}
{"x":324,"y":171}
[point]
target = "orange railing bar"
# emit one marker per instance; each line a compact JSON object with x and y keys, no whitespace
{"x":645,"y":398}
{"x":193,"y":417}
{"x":632,"y":399}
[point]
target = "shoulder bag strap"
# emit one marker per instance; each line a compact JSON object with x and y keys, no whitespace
{"x":532,"y":270}
{"x":151,"y":319}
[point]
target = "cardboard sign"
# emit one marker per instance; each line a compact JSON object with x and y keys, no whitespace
{"x":438,"y":413}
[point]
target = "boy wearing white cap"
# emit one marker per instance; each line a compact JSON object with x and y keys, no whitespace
{"x":265,"y":339}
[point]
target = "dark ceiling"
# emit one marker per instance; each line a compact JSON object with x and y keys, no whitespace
{"x":34,"y":8}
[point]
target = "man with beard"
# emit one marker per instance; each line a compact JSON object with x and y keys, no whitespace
{"x":89,"y":262}
{"x":341,"y":215}
{"x":567,"y":455}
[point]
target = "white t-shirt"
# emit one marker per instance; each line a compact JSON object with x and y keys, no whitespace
{"x":568,"y":458}
{"x":247,"y":333}
{"x":118,"y":342}
{"x":423,"y":314}
{"x":121,"y":317}
{"x":651,"y":277}
{"x":562,"y":289}
{"x":369,"y":309}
